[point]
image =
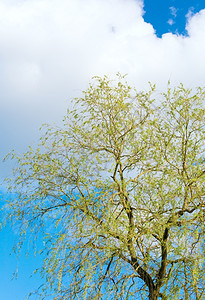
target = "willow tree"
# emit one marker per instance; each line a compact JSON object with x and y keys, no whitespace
{"x":118,"y":194}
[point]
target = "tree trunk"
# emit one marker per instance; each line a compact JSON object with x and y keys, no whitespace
{"x":153,"y":295}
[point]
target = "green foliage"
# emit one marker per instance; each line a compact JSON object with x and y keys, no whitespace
{"x":119,"y":194}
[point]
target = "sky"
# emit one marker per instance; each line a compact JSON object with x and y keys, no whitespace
{"x":50,"y":50}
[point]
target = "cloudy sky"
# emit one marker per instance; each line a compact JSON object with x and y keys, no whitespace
{"x":50,"y":49}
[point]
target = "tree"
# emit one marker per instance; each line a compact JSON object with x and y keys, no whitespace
{"x":118,"y":192}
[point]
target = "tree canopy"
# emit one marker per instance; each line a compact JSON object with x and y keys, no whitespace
{"x":118,"y":193}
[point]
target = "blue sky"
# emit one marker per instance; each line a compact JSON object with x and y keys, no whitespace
{"x":49,"y":50}
{"x":15,"y":275}
{"x":170,"y":15}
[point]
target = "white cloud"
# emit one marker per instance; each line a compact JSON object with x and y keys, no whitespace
{"x":24,"y":77}
{"x":196,"y":25}
{"x":173,"y":11}
{"x":190,"y":12}
{"x":50,"y":49}
{"x":170,"y":22}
